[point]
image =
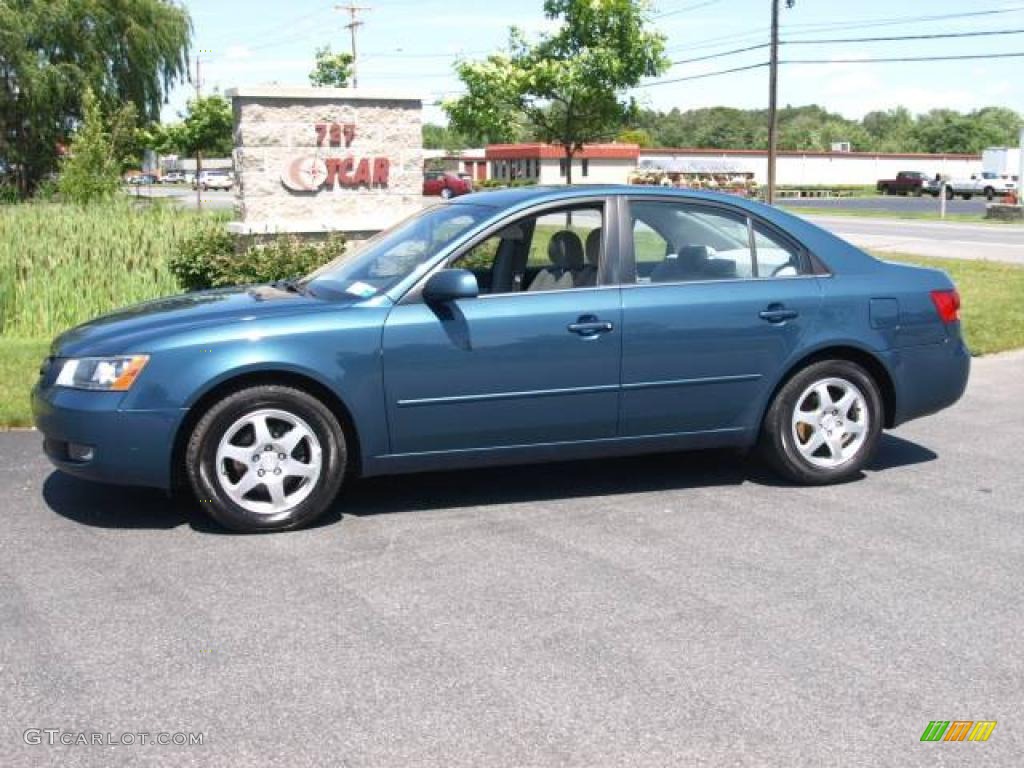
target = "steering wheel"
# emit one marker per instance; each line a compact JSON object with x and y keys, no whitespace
{"x":781,"y":267}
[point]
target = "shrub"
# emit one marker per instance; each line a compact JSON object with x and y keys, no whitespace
{"x":215,"y":258}
{"x":63,"y":264}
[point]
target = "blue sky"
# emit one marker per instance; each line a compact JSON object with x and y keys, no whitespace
{"x":409,"y":45}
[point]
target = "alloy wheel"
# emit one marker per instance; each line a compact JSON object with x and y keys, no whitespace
{"x":830,"y":422}
{"x":269,"y":461}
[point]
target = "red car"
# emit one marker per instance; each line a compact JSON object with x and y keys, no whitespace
{"x":446,"y":185}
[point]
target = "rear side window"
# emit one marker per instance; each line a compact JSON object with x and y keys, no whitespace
{"x":677,"y":242}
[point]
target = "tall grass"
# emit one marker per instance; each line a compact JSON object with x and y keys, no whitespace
{"x":62,"y":264}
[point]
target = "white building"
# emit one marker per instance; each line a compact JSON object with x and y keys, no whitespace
{"x":807,"y":169}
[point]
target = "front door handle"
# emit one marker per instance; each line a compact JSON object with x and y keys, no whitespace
{"x":777,"y":313}
{"x":589,"y":326}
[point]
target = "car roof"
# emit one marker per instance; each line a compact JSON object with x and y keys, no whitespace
{"x":840,"y":254}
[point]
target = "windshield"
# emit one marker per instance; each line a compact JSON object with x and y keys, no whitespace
{"x":388,"y":258}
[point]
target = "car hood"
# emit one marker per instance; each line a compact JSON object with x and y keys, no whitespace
{"x":132,"y":328}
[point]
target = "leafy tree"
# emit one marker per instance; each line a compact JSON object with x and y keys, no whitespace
{"x":207,"y":126}
{"x":332,"y":69}
{"x":635,"y":136}
{"x":444,"y":137}
{"x":52,"y":51}
{"x":568,"y":83}
{"x":92,"y":170}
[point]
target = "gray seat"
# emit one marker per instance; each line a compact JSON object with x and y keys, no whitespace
{"x":587,"y":277}
{"x":692,"y":262}
{"x":565,"y":250}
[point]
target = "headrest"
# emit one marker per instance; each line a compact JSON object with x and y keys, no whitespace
{"x":592,"y":249}
{"x":693,"y":257}
{"x":566,"y":251}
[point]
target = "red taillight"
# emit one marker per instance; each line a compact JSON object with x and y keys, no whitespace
{"x":947,"y":303}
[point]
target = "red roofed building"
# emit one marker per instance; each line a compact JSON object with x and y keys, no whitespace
{"x":546,"y":164}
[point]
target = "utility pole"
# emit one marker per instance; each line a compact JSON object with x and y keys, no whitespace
{"x":773,"y":97}
{"x":199,"y":152}
{"x":352,"y":26}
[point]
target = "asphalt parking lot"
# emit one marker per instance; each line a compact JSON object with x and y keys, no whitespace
{"x":677,"y":610}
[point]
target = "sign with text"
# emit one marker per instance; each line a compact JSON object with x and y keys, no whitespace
{"x":333,"y":166}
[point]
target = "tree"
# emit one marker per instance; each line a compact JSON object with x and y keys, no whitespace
{"x":52,"y":51}
{"x":207,"y":126}
{"x":92,"y":170}
{"x":636,"y":136}
{"x":443,"y":137}
{"x":332,"y":70}
{"x":567,"y":84}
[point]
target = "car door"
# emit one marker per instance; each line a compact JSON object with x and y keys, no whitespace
{"x":714,"y":305}
{"x":533,"y":360}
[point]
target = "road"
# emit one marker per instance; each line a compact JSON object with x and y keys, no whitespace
{"x":213,"y":199}
{"x":942,"y":239}
{"x":678,"y":610}
{"x":891,"y":204}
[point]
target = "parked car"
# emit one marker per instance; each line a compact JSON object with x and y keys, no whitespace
{"x":447,"y":185}
{"x":143,"y":179}
{"x":214,"y":180}
{"x":909,"y":183}
{"x":521,"y":325}
{"x":174,"y":177}
{"x":991,"y":185}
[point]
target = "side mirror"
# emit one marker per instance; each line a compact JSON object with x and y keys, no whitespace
{"x":450,"y":285}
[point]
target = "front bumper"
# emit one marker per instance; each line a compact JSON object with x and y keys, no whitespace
{"x":128,"y":447}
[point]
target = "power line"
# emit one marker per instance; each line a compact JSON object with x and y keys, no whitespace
{"x":965,"y":57}
{"x":810,"y":29}
{"x":704,"y":75}
{"x":692,"y":7}
{"x":940,"y":36}
{"x":723,"y":54}
{"x":820,"y":41}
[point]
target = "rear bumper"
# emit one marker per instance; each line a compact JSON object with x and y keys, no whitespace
{"x":127,"y":447}
{"x":929,"y":378}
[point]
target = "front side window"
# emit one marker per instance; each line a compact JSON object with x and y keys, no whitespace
{"x":554,"y":250}
{"x":677,"y":242}
{"x":407,"y":248}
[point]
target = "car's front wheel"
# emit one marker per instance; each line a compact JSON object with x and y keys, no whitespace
{"x":824,"y":423}
{"x":266,"y":458}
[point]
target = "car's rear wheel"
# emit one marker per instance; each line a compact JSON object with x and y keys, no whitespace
{"x":824,"y":423}
{"x":990,"y":193}
{"x":446,"y":193}
{"x":267,"y":458}
{"x":949,"y":193}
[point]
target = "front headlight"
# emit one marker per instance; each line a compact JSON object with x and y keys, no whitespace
{"x":108,"y":374}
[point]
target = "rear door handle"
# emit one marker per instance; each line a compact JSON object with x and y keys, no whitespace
{"x":589,"y":326}
{"x":777,"y":313}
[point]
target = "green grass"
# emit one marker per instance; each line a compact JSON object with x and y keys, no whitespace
{"x":19,"y":367}
{"x":992,"y":298}
{"x":878,"y":213}
{"x":63,"y":264}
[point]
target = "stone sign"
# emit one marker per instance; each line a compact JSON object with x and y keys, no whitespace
{"x":326,"y":159}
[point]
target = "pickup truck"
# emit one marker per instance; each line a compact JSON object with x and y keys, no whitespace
{"x":991,"y":185}
{"x":909,"y":182}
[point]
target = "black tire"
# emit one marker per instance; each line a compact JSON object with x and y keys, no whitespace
{"x":447,"y":194}
{"x":949,"y":193}
{"x":206,"y":480}
{"x":966,"y":197}
{"x":990,"y":194}
{"x":778,"y":442}
{"x":918,"y":192}
{"x":884,"y":189}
